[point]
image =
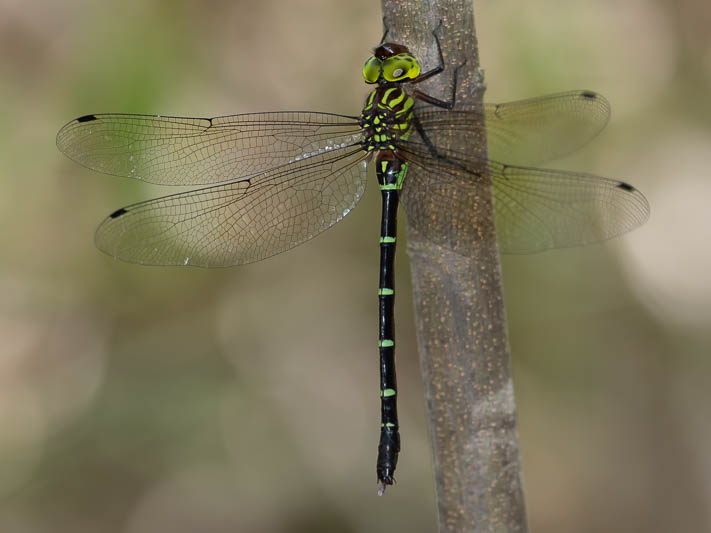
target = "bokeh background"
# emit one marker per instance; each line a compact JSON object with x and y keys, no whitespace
{"x":140,"y":400}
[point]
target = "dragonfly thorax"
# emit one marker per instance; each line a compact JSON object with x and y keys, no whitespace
{"x":386,"y":117}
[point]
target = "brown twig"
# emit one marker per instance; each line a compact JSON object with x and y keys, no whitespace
{"x":459,"y":308}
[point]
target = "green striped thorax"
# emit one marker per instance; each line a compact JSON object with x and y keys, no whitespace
{"x":387,"y":114}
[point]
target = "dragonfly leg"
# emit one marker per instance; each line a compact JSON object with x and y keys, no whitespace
{"x":437,"y":70}
{"x":425,"y":138}
{"x":432,"y":148}
{"x":387,"y":30}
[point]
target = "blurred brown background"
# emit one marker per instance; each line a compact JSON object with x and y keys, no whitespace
{"x":146,"y":399}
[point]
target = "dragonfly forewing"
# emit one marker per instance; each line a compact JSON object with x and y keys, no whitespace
{"x":527,"y":132}
{"x":201,"y":151}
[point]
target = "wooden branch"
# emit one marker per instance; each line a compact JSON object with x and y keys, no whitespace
{"x":459,"y":308}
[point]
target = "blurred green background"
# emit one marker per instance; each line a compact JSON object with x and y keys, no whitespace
{"x":147,"y":399}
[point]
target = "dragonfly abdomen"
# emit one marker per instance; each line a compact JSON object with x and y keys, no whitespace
{"x":391,"y":171}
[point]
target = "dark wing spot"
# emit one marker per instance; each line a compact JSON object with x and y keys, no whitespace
{"x":118,"y":213}
{"x":625,"y":186}
{"x":86,"y":118}
{"x":588,"y":94}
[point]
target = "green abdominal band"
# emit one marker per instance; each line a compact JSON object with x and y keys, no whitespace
{"x":400,"y":180}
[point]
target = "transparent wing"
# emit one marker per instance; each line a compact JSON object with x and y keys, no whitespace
{"x":536,"y":209}
{"x":528,"y":132}
{"x":539,"y":209}
{"x":242,"y":221}
{"x":200,"y":151}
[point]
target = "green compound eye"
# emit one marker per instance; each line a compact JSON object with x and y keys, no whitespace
{"x":400,"y":67}
{"x":371,"y":69}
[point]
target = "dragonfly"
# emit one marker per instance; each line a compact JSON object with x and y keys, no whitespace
{"x":273,"y":180}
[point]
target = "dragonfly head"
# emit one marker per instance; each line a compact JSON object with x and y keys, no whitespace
{"x":391,"y":63}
